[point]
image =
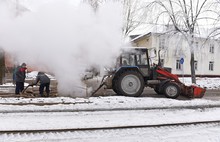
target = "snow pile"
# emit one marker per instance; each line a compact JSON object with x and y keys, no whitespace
{"x":7,"y":85}
{"x":32,"y":75}
{"x":209,"y":83}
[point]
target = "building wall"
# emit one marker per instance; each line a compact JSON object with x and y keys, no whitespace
{"x":175,"y":48}
{"x":146,"y":41}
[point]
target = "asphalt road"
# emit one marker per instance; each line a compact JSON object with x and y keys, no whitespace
{"x":148,"y":92}
{"x":212,"y":95}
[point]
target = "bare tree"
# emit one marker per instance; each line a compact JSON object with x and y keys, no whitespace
{"x":94,"y":3}
{"x":17,"y":7}
{"x":20,"y":8}
{"x":186,"y":16}
{"x":133,"y":13}
{"x":215,"y":32}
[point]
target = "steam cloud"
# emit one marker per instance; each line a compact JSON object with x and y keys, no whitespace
{"x":62,"y":38}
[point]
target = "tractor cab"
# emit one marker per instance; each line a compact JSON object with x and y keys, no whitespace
{"x":135,"y":58}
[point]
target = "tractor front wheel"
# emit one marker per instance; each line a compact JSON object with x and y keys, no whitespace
{"x":129,"y":83}
{"x":171,"y":90}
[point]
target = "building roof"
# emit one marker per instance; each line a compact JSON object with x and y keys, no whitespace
{"x":140,"y":36}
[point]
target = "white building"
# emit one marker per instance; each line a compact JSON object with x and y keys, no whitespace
{"x":175,"y":49}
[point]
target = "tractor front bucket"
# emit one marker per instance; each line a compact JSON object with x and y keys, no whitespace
{"x":193,"y":91}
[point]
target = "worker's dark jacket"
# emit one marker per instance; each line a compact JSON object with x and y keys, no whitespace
{"x":42,"y":78}
{"x":20,"y":74}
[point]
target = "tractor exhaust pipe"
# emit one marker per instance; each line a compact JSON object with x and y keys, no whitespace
{"x":159,"y":61}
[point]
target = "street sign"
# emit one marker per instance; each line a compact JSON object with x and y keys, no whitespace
{"x":181,"y":61}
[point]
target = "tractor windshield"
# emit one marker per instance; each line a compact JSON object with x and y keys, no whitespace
{"x":134,"y":58}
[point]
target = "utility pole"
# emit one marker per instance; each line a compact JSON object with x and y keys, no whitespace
{"x":2,"y":66}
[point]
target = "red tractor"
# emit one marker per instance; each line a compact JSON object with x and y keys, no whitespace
{"x":133,"y":73}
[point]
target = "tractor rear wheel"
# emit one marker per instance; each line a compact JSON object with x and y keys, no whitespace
{"x":171,"y":90}
{"x":129,"y":83}
{"x":114,"y":88}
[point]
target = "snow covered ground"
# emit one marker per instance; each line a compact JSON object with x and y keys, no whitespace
{"x":77,"y":113}
{"x":65,"y":112}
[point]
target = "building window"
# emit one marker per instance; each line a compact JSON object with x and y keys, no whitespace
{"x":162,"y":43}
{"x":211,"y":66}
{"x":211,"y":48}
{"x":178,"y":65}
{"x":196,"y":65}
